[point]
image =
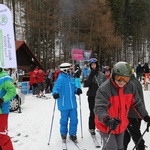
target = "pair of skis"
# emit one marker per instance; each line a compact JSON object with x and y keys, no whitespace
{"x":64,"y":145}
{"x":44,"y":97}
{"x":96,"y":143}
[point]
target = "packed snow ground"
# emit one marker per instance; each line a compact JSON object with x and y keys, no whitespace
{"x":30,"y":129}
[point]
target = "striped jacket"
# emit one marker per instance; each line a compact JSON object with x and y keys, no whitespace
{"x":115,"y":102}
{"x":7,"y":91}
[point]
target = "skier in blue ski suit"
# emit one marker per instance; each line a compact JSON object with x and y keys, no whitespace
{"x":64,"y":91}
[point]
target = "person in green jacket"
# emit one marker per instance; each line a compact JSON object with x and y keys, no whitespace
{"x":133,"y":129}
{"x":7,"y":92}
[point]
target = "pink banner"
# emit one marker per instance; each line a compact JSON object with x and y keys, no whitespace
{"x":77,"y":54}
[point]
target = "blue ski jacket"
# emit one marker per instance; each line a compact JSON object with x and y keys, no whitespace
{"x":66,"y":88}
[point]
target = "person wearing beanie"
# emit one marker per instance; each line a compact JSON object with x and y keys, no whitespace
{"x":112,"y":104}
{"x":7,"y":92}
{"x":93,"y":81}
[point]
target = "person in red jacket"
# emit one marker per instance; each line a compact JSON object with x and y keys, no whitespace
{"x":41,"y":78}
{"x":34,"y":81}
{"x":56,"y":75}
{"x":31,"y":78}
{"x":112,"y":104}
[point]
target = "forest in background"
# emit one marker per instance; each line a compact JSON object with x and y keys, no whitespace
{"x":113,"y":29}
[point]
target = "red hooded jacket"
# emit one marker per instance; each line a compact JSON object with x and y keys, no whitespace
{"x":41,"y":75}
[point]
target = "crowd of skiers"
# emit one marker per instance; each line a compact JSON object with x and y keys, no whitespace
{"x":112,"y":100}
{"x":115,"y":100}
{"x":114,"y":96}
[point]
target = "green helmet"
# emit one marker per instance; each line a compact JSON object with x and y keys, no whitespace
{"x":122,"y":68}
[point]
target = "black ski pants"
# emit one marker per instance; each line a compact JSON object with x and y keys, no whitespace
{"x":91,"y":101}
{"x":134,"y":133}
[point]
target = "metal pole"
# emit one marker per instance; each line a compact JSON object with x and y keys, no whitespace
{"x":132,"y":139}
{"x":146,"y":130}
{"x":52,"y":122}
{"x":80,"y":116}
{"x":109,"y":134}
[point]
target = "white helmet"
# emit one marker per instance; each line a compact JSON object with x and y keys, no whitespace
{"x":65,"y":67}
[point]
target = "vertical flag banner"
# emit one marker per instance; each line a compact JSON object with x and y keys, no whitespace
{"x":7,"y":41}
{"x":77,"y":54}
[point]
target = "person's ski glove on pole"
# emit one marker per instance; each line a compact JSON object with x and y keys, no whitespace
{"x":56,"y":96}
{"x":112,"y":123}
{"x":93,"y":73}
{"x":79,"y":91}
{"x":147,"y":119}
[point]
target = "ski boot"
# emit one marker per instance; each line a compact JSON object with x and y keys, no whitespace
{"x":92,"y":131}
{"x":64,"y":137}
{"x":73,"y":138}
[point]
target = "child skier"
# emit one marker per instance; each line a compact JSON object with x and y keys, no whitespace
{"x":64,"y":91}
{"x":7,"y":92}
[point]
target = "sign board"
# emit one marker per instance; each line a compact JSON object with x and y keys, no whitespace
{"x":7,"y":41}
{"x":87,"y":55}
{"x":77,"y":54}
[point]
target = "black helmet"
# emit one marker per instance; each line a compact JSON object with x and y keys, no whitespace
{"x":123,"y":69}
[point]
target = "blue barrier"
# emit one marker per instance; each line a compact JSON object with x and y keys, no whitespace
{"x":24,"y":87}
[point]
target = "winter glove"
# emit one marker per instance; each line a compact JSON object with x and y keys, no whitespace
{"x":93,"y":73}
{"x":112,"y":123}
{"x":1,"y":101}
{"x":147,"y":119}
{"x":79,"y":91}
{"x":56,"y":96}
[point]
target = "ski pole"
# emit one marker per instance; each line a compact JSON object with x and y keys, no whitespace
{"x":80,"y":116}
{"x":52,"y":123}
{"x":109,"y":134}
{"x":146,"y":130}
{"x":132,"y":139}
{"x":100,"y":136}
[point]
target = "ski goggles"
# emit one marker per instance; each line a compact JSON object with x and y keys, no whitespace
{"x":93,"y":60}
{"x":119,"y":78}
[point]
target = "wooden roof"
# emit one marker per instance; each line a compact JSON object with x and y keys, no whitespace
{"x":23,"y":47}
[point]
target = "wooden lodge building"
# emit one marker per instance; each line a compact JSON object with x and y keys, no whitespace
{"x":25,"y":60}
